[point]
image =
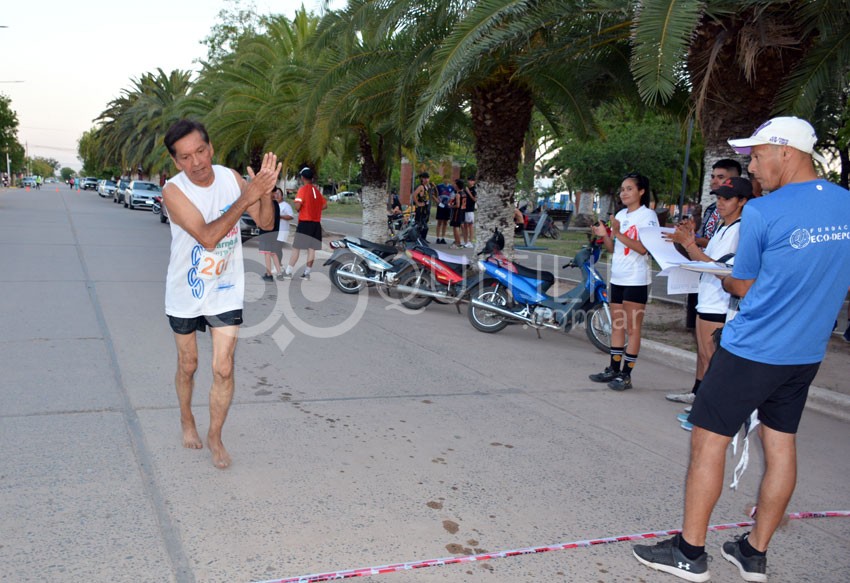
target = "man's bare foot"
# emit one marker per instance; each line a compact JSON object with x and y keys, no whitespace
{"x":220,"y":457}
{"x":191,"y":439}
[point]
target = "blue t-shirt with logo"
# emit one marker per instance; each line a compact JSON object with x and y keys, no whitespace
{"x":795,"y":243}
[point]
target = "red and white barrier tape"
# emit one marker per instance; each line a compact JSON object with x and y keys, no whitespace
{"x":367,"y":571}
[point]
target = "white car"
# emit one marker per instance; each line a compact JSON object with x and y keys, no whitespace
{"x":345,"y":195}
{"x":140,"y":194}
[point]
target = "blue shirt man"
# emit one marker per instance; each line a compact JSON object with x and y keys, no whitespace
{"x":792,"y":269}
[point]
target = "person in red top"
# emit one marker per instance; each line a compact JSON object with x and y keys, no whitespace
{"x":309,"y":203}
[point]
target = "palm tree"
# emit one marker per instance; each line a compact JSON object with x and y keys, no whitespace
{"x":134,"y":124}
{"x":743,"y":61}
{"x":502,"y":60}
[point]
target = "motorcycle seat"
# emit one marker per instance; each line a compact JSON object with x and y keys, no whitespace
{"x":545,"y":276}
{"x":377,"y":248}
{"x":456,"y":259}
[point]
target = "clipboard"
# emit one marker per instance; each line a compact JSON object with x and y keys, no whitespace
{"x":712,"y":267}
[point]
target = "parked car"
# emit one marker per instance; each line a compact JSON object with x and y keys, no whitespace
{"x":120,"y":191}
{"x":28,"y":181}
{"x":140,"y":193}
{"x":345,"y":195}
{"x":89,"y":183}
{"x":248,"y":226}
{"x":106,"y":188}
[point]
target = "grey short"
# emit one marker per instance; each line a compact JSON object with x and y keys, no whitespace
{"x":734,"y":387}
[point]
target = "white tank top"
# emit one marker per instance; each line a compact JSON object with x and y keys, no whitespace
{"x":201,"y":282}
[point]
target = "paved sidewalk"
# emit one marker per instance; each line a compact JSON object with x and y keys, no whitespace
{"x":361,"y":434}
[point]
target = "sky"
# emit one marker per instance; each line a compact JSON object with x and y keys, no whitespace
{"x":61,"y":62}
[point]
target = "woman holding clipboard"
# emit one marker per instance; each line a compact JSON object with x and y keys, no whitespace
{"x":713,"y":301}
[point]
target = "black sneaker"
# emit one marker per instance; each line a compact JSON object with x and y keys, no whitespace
{"x":605,"y":376}
{"x":621,"y":383}
{"x":305,"y":276}
{"x":268,"y":277}
{"x":750,"y":568}
{"x":666,"y":556}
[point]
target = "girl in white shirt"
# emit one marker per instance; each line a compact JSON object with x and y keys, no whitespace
{"x":713,"y":301}
{"x":630,"y":279}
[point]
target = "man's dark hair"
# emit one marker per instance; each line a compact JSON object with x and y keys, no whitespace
{"x":728,"y":164}
{"x":181,"y":129}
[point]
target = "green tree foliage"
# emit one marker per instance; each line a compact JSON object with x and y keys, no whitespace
{"x":66,"y":173}
{"x":9,"y":136}
{"x":236,"y":21}
{"x":44,"y":167}
{"x":630,"y":141}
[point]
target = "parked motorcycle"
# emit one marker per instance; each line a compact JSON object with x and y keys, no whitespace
{"x":159,"y":209}
{"x":508,"y":293}
{"x":441,"y":277}
{"x":357,"y":263}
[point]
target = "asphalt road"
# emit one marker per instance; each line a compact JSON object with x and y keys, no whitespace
{"x":361,"y":434}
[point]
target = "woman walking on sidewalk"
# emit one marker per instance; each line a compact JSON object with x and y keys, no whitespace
{"x":630,"y":279}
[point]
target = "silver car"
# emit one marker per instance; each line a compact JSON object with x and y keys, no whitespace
{"x":106,"y":188}
{"x":140,"y":194}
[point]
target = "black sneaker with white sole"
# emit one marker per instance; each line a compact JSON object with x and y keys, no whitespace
{"x":666,"y":556}
{"x":605,"y":376}
{"x":750,"y":568}
{"x":621,"y":383}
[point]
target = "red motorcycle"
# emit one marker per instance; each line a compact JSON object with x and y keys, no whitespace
{"x":441,"y":277}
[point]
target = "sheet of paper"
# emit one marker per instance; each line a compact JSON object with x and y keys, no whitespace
{"x":680,"y":281}
{"x":662,"y":251}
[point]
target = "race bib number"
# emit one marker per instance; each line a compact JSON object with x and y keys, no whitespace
{"x":211,"y":265}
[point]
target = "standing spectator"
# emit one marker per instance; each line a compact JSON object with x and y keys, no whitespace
{"x":713,"y":301}
{"x":71,"y":182}
{"x":422,"y":197}
{"x":309,"y":202}
{"x":457,"y":204}
{"x":630,"y":278}
{"x":205,"y":284}
{"x":270,"y":247}
{"x":445,"y":192}
{"x":469,"y":220}
{"x":286,"y":215}
{"x":721,"y":171}
{"x":792,"y":270}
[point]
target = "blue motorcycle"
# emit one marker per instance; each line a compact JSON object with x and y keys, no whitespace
{"x":508,"y":293}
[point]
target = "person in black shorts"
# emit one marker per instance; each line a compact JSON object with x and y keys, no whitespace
{"x":792,"y":269}
{"x":630,"y":279}
{"x":457,"y":204}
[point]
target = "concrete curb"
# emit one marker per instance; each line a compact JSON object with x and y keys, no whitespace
{"x":821,"y":400}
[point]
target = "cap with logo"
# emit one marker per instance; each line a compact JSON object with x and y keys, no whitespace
{"x":781,"y":131}
{"x":306,"y":173}
{"x":735,"y":187}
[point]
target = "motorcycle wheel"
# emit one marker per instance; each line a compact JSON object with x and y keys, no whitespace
{"x":598,"y":326}
{"x":420,"y":280}
{"x":485,"y":320}
{"x":344,"y":284}
{"x":162,"y":218}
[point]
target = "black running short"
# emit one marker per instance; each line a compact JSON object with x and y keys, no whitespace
{"x":638,"y":294}
{"x":308,"y":235}
{"x":189,"y":325}
{"x":444,"y":214}
{"x":734,"y":387}
{"x":716,"y":318}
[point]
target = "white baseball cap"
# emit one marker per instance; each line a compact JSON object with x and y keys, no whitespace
{"x":782,"y":131}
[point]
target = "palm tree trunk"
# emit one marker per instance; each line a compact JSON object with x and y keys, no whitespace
{"x":729,"y":103}
{"x":374,"y":197}
{"x":501,"y":114}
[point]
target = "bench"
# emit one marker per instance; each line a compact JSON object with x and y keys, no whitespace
{"x":560,"y":215}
